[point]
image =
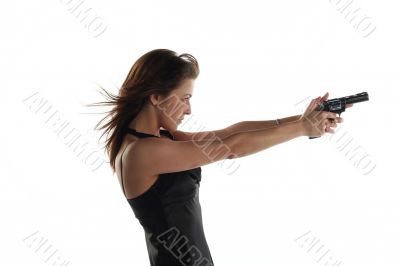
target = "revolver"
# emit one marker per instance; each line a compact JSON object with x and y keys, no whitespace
{"x":338,"y":105}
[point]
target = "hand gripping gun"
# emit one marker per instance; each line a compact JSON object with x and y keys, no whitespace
{"x":338,"y":105}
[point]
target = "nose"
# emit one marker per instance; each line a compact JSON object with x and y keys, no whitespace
{"x":189,"y":109}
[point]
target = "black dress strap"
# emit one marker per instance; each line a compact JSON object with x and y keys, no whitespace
{"x":146,"y":135}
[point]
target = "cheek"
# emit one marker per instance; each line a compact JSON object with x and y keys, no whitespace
{"x":172,"y":109}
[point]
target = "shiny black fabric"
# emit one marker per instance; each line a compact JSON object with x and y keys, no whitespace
{"x":170,"y":214}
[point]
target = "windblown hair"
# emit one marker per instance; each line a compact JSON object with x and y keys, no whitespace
{"x":157,"y":72}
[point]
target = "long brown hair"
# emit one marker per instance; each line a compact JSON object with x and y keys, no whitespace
{"x":159,"y":71}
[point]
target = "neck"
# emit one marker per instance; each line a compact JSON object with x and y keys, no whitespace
{"x":146,"y":122}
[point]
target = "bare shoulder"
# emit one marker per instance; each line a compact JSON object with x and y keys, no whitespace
{"x":138,"y":151}
{"x":135,"y":180}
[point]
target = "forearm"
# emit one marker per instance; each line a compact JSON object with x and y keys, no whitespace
{"x":258,"y":125}
{"x":289,"y":119}
{"x":253,"y":141}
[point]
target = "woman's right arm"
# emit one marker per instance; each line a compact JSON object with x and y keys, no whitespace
{"x":155,"y":156}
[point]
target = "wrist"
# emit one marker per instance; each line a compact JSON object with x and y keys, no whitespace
{"x":289,"y":119}
{"x":301,"y":127}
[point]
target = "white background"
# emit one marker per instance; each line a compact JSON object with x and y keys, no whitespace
{"x":258,"y":60}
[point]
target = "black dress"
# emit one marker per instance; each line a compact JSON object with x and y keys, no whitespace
{"x":170,"y":214}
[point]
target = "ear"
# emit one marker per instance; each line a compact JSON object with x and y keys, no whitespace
{"x":154,"y":99}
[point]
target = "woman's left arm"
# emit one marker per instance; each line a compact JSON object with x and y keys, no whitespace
{"x":257,"y":125}
{"x":232,"y":129}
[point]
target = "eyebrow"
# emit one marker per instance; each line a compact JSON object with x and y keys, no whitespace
{"x":188,"y":94}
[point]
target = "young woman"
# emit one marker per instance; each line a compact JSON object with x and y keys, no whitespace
{"x":159,"y":167}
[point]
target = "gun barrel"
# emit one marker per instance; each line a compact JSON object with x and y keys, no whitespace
{"x":359,"y":97}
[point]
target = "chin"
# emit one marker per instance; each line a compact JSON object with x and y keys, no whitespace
{"x":171,"y":127}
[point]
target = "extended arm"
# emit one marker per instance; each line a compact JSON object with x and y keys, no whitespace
{"x":257,"y":125}
{"x":232,"y":129}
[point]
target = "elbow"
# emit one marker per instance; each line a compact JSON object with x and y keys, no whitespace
{"x":234,"y":144}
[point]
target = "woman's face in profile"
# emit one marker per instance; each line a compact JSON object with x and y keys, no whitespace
{"x":176,"y":105}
